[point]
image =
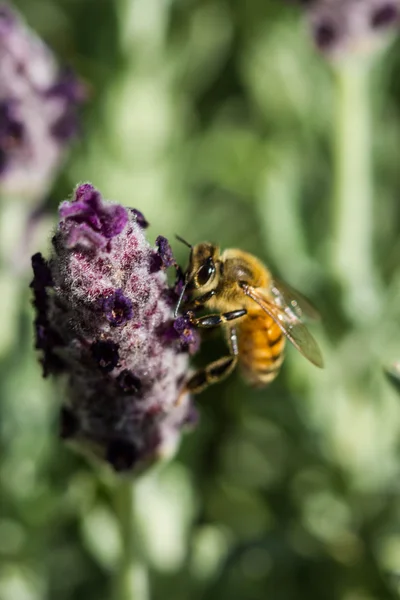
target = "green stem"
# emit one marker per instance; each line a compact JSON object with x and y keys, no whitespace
{"x":131,"y":576}
{"x":352,"y":252}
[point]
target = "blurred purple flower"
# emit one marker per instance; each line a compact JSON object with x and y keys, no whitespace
{"x":343,"y":27}
{"x":101,"y":317}
{"x":38,"y":105}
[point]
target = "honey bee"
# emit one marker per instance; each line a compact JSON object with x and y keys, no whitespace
{"x":257,"y":312}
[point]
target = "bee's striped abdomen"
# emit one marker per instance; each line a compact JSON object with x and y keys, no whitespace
{"x":261,"y":345}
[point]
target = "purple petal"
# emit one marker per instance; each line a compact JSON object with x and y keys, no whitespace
{"x":140,"y":219}
{"x":385,"y":15}
{"x":66,"y":127}
{"x":117,"y":309}
{"x":165,"y":252}
{"x":88,"y":209}
{"x":106,"y":354}
{"x":187,"y":334}
{"x":68,"y":87}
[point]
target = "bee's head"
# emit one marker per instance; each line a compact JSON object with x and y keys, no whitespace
{"x":201,"y":272}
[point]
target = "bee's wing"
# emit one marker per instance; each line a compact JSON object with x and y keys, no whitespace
{"x":290,"y":298}
{"x":289,"y":323}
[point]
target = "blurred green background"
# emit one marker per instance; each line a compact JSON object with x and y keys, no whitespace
{"x":219,"y":121}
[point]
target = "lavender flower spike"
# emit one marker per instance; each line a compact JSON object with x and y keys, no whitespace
{"x":104,"y":319}
{"x":37,"y":110}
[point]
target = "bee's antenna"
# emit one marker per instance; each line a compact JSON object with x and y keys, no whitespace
{"x":180,"y":299}
{"x":178,"y":237}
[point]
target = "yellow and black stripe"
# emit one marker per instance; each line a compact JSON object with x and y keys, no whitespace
{"x":261,"y":345}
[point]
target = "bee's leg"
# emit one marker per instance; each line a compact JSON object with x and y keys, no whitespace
{"x":200,"y":300}
{"x":217,"y":370}
{"x":209,"y":321}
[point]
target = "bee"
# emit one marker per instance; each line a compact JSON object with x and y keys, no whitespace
{"x":257,"y":312}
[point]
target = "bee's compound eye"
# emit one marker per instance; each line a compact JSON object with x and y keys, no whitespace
{"x":121,"y":455}
{"x":205,"y":272}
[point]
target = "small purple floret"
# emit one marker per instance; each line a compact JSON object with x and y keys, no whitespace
{"x":163,"y":258}
{"x":140,"y":219}
{"x":106,"y":355}
{"x":117,"y":309}
{"x":179,"y":282}
{"x":10,"y":126}
{"x":325,"y":35}
{"x":128,"y":382}
{"x":187,"y":334}
{"x":165,"y":252}
{"x":68,"y":87}
{"x":385,"y":15}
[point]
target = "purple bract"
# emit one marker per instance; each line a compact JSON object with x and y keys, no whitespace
{"x":94,"y":221}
